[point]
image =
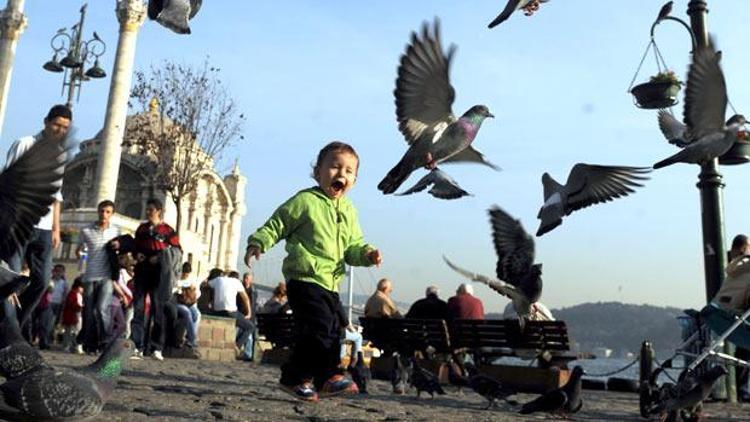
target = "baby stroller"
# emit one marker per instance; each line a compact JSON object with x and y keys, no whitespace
{"x":698,"y":349}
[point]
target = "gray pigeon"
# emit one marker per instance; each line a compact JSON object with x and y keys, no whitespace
{"x":424,"y":380}
{"x":664,"y":11}
{"x":673,"y":130}
{"x":174,"y":14}
{"x":46,"y":393}
{"x":518,"y":278}
{"x":27,"y":187}
{"x":587,"y":184}
{"x":691,"y":394}
{"x":424,"y":97}
{"x":491,"y":389}
{"x":17,"y":356}
{"x":514,"y":5}
{"x":444,"y":187}
{"x":561,"y":401}
{"x":705,"y":107}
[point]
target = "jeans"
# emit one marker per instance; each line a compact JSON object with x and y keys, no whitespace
{"x":148,"y":331}
{"x":38,"y":255}
{"x":356,"y":339}
{"x":192,"y":315}
{"x":97,"y":313}
{"x":245,"y":330}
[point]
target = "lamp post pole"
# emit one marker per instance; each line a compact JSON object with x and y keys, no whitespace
{"x":12,"y":24}
{"x":76,"y":73}
{"x":711,"y":185}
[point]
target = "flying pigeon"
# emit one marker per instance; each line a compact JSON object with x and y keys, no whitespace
{"x":48,"y":393}
{"x":424,"y":380}
{"x":174,"y":14}
{"x":424,"y":97}
{"x":27,"y":187}
{"x":491,"y":389}
{"x":17,"y":356}
{"x":518,"y":278}
{"x":360,"y":373}
{"x":674,"y":130}
{"x":705,"y":107}
{"x":444,"y":187}
{"x":664,"y":11}
{"x":587,"y":184}
{"x":561,"y":401}
{"x":530,"y":7}
{"x":691,"y":396}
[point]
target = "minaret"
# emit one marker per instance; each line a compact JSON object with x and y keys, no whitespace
{"x":235,"y":183}
{"x":130,"y":14}
{"x":12,"y":24}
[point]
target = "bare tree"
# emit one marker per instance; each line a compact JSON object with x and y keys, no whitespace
{"x":187,"y":119}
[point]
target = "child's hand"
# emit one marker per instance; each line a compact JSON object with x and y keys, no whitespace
{"x":375,"y":257}
{"x":252,"y":251}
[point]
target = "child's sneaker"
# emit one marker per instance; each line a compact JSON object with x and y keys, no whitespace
{"x":304,"y":391}
{"x":338,"y":384}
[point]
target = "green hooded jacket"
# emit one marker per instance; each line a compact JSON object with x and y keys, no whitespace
{"x":321,"y":235}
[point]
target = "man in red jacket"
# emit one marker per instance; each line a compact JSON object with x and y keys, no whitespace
{"x":464,"y":305}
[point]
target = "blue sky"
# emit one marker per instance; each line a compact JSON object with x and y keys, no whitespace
{"x":307,"y":72}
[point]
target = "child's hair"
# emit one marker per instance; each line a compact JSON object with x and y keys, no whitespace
{"x":77,"y":282}
{"x":335,"y":146}
{"x":187,"y":268}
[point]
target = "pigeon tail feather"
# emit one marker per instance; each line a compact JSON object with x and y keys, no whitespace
{"x":395,"y":178}
{"x":666,"y":162}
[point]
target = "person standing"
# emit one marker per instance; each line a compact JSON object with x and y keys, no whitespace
{"x":152,"y":239}
{"x":37,"y":252}
{"x":59,"y":292}
{"x":97,"y":279}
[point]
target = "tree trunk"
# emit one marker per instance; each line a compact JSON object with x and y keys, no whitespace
{"x":177,"y":200}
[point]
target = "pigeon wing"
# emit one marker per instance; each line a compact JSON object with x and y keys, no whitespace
{"x":154,"y":8}
{"x":444,"y":187}
{"x":672,"y":129}
{"x":514,"y":247}
{"x":552,"y":401}
{"x":470,"y":155}
{"x":591,"y":184}
{"x":27,"y":187}
{"x":195,"y":6}
{"x":499,"y":286}
{"x":424,"y":95}
{"x":510,"y":7}
{"x":706,"y":93}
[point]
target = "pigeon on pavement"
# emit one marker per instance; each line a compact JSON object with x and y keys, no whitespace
{"x":561,"y":401}
{"x":360,"y":373}
{"x":587,"y":184}
{"x":705,"y":107}
{"x":518,"y":278}
{"x":529,"y":5}
{"x":47,"y":393}
{"x":691,"y":394}
{"x":424,"y":380}
{"x":174,"y":14}
{"x":491,"y":389}
{"x":444,"y":187}
{"x":424,"y":97}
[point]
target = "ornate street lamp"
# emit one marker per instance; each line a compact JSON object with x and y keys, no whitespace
{"x":76,"y":54}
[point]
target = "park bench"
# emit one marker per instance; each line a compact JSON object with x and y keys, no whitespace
{"x":491,"y":339}
{"x":407,"y":335}
{"x":278,"y":330}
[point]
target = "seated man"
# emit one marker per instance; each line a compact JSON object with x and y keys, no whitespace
{"x":430,"y":307}
{"x":225,"y":292}
{"x":464,"y":305}
{"x":380,"y":305}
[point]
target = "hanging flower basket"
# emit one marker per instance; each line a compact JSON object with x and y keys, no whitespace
{"x":740,"y":151}
{"x":660,"y":92}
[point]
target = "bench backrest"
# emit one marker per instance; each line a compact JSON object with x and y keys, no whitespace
{"x":537,"y":335}
{"x":406,"y":335}
{"x":277,"y":328}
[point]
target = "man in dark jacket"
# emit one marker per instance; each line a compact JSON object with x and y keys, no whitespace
{"x":431,"y":307}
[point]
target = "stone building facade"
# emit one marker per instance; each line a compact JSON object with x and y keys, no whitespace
{"x":211,"y":216}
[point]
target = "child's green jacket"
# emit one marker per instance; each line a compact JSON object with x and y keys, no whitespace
{"x":321,"y":235}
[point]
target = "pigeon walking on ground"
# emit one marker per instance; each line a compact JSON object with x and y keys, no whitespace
{"x":518,"y":277}
{"x":47,"y":393}
{"x":424,"y":380}
{"x":174,"y":14}
{"x":705,"y":108}
{"x":587,"y":184}
{"x":444,"y":187}
{"x":360,"y":373}
{"x":690,"y":393}
{"x":561,"y":401}
{"x":399,"y":374}
{"x":424,"y":97}
{"x":491,"y":389}
{"x":529,"y":7}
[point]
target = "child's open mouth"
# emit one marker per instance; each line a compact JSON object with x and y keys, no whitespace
{"x":337,"y":186}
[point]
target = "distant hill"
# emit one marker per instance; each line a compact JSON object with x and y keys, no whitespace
{"x":621,"y":327}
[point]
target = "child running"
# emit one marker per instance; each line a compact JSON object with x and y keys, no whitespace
{"x":322,"y":234}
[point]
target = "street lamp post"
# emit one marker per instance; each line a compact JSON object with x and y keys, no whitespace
{"x":76,"y":53}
